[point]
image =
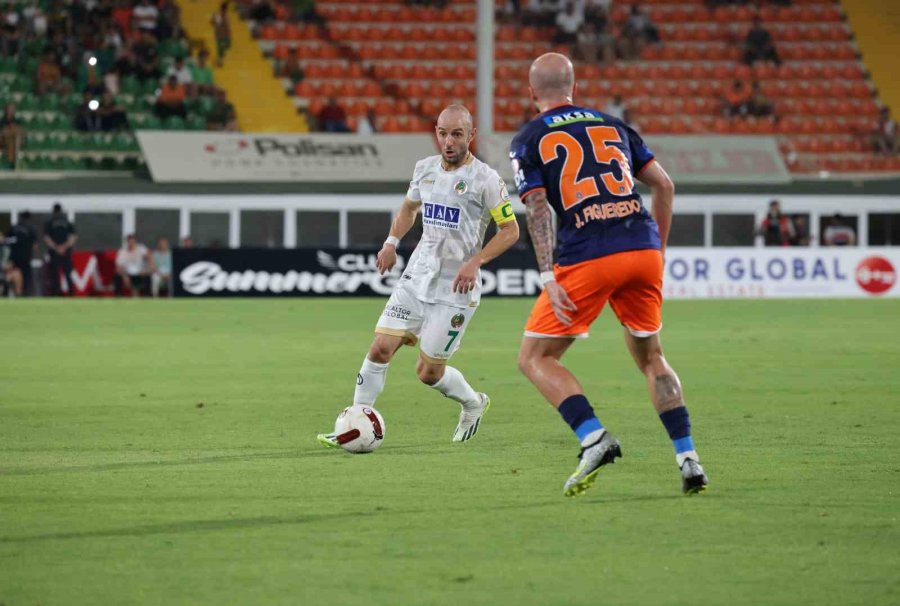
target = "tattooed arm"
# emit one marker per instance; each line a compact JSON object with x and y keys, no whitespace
{"x":540,"y":225}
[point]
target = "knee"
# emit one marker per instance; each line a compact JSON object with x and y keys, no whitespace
{"x":429,"y":374}
{"x":525,"y":362}
{"x":380,"y":352}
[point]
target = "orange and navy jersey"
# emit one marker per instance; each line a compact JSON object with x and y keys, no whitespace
{"x":586,"y":161}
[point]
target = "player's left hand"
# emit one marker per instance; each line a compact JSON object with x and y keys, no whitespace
{"x":466,"y":278}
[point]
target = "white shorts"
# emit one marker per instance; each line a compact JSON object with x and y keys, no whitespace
{"x":438,"y":328}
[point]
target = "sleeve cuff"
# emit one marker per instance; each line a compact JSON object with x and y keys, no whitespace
{"x":524,"y":195}
{"x":646,"y":164}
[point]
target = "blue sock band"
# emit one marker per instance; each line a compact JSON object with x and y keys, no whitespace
{"x":683,"y":445}
{"x":577,"y":412}
{"x":678,"y":423}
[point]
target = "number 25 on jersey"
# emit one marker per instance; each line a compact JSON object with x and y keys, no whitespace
{"x":573,"y":190}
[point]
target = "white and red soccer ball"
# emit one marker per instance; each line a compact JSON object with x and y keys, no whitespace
{"x":359,"y":429}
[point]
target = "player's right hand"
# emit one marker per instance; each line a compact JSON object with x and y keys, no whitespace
{"x":386,"y":259}
{"x":560,"y":302}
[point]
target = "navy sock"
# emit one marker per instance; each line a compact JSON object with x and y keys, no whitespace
{"x":577,"y":412}
{"x":678,"y":424}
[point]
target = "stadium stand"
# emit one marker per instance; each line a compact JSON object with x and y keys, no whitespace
{"x":58,"y":59}
{"x":405,"y":62}
{"x":395,"y":64}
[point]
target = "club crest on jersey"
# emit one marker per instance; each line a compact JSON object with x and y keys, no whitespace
{"x":457,"y":320}
{"x":439,"y":215}
{"x":461,"y":187}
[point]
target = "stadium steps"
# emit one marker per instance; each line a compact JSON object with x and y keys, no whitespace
{"x":877,"y":27}
{"x":246,"y":76}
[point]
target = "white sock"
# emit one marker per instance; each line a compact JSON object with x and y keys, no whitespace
{"x":370,"y":382}
{"x":453,"y":385}
{"x":690,"y":454}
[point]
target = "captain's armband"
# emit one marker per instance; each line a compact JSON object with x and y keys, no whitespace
{"x":503,"y":213}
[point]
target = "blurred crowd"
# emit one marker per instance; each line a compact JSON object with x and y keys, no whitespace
{"x":139,"y":271}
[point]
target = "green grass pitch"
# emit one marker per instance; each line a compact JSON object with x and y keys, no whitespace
{"x":163,"y":452}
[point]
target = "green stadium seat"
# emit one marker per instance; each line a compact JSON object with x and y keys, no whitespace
{"x":174,"y":123}
{"x":29,"y":103}
{"x":29,"y":66}
{"x":68,"y":163}
{"x":8,"y":65}
{"x":149,"y":87}
{"x":22,"y":84}
{"x":50,"y":102}
{"x":153,"y":123}
{"x":35,"y":47}
{"x":196,"y":122}
{"x":205,"y":105}
{"x":130,"y":85}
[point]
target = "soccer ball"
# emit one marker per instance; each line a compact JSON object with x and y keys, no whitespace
{"x":359,"y":429}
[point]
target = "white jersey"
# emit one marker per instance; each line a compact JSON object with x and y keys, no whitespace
{"x":456,"y":207}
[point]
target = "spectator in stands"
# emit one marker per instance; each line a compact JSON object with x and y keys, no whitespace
{"x":60,"y":237}
{"x":758,"y":44}
{"x":12,"y":134}
{"x":202,"y":75}
{"x":125,"y":64}
{"x":292,"y":67}
{"x":146,"y":55}
{"x":736,"y":100}
{"x":838,"y":233}
{"x":759,"y":105}
{"x":21,"y":241}
{"x":366,"y":124}
{"x":884,"y":139}
{"x":11,"y":281}
{"x":776,"y":228}
{"x":187,"y":242}
{"x":222,"y":116}
{"x":92,"y":82}
{"x":183,"y":75}
{"x":111,"y":81}
{"x":161,"y":280}
{"x":87,"y":119}
{"x":801,"y":231}
{"x":261,"y":11}
{"x":616,"y":107}
{"x":597,"y":11}
{"x":638,"y":31}
{"x":222,"y":32}
{"x":568,"y":22}
{"x":170,"y":101}
{"x":121,"y":16}
{"x":11,"y":38}
{"x":112,"y":116}
{"x":586,"y":47}
{"x":146,"y":17}
{"x":35,"y":20}
{"x":49,"y":76}
{"x":305,"y":10}
{"x":332,"y":118}
{"x":133,"y":265}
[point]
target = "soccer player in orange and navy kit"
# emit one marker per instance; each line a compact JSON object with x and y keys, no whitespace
{"x":581,"y":164}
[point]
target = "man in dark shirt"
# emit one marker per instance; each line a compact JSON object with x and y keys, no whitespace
{"x":60,"y":237}
{"x":759,"y":46}
{"x":21,"y":241}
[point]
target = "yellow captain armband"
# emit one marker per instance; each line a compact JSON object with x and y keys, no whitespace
{"x":503,"y":213}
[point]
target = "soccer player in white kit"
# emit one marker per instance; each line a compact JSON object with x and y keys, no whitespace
{"x":439,"y":291}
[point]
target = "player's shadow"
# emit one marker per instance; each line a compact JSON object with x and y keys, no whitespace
{"x":99,"y":467}
{"x":187,"y":527}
